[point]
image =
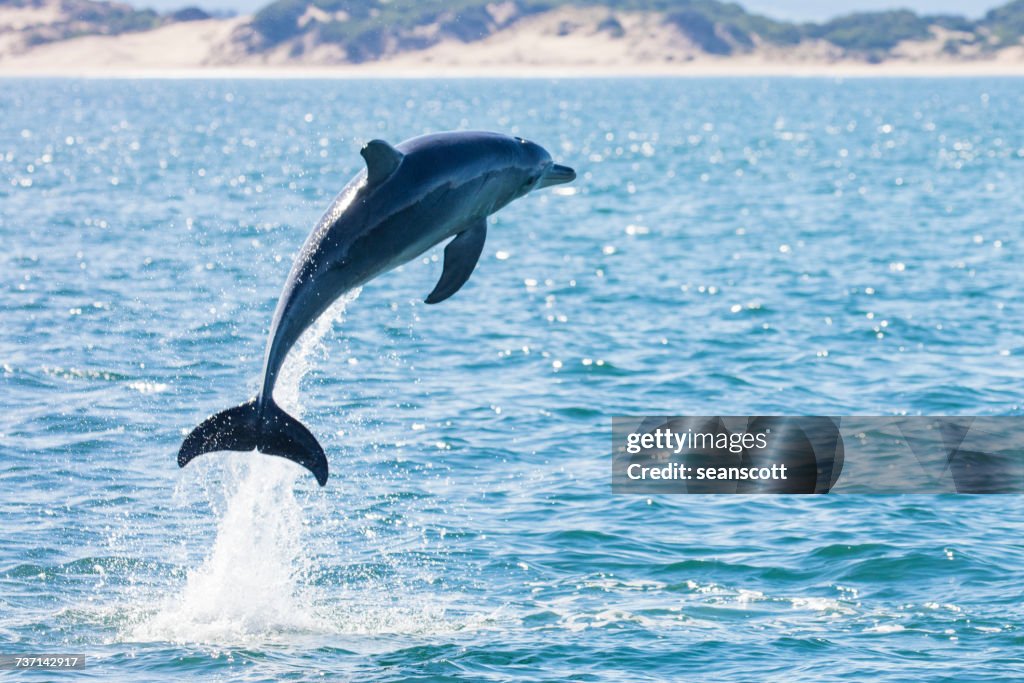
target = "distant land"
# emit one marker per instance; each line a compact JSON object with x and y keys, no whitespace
{"x":502,"y":37}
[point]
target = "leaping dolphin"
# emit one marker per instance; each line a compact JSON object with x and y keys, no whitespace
{"x":410,"y":198}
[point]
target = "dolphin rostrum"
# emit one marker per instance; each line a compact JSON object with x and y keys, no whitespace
{"x":410,"y":198}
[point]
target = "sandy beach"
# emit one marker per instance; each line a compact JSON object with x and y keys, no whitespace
{"x":730,"y":68}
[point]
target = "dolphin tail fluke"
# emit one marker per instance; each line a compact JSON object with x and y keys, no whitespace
{"x":270,"y":430}
{"x":283,"y":435}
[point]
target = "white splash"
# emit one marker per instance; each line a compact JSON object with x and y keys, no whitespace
{"x":251,"y":586}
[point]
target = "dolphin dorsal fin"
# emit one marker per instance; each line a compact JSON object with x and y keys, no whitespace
{"x":381,"y":160}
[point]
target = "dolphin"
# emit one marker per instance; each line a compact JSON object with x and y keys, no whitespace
{"x":410,"y":197}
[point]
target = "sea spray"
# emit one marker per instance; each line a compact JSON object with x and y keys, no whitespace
{"x":252,"y":584}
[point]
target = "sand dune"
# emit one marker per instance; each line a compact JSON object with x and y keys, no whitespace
{"x":183,"y":45}
{"x":563,"y":42}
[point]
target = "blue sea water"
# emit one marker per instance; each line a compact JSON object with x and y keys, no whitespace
{"x":731,"y":246}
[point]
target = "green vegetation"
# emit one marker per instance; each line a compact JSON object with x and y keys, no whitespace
{"x":369,"y":29}
{"x":701,"y":30}
{"x":611,"y":26}
{"x":365,"y":28}
{"x":280,"y":20}
{"x":87,"y":17}
{"x":872,"y":31}
{"x":1006,"y":23}
{"x":190,"y":14}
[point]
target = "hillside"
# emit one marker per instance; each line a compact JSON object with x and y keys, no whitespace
{"x":375,"y":29}
{"x":412,"y":34}
{"x":25,"y":24}
{"x":372,"y":30}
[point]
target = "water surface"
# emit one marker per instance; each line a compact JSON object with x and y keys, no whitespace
{"x":735,"y":246}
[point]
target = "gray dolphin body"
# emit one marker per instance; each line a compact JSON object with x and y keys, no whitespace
{"x":410,"y":198}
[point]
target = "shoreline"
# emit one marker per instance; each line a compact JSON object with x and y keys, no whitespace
{"x":397,"y":72}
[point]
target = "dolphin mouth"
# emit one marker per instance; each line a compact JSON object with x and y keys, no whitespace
{"x":556,"y":175}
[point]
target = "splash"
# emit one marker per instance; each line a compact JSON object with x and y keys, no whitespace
{"x":251,"y":586}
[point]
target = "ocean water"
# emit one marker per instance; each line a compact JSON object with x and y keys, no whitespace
{"x":731,"y":246}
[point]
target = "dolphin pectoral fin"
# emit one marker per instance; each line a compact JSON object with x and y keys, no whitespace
{"x":381,"y":160}
{"x":460,"y":258}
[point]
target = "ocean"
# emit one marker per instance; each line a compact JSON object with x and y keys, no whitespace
{"x":731,"y":246}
